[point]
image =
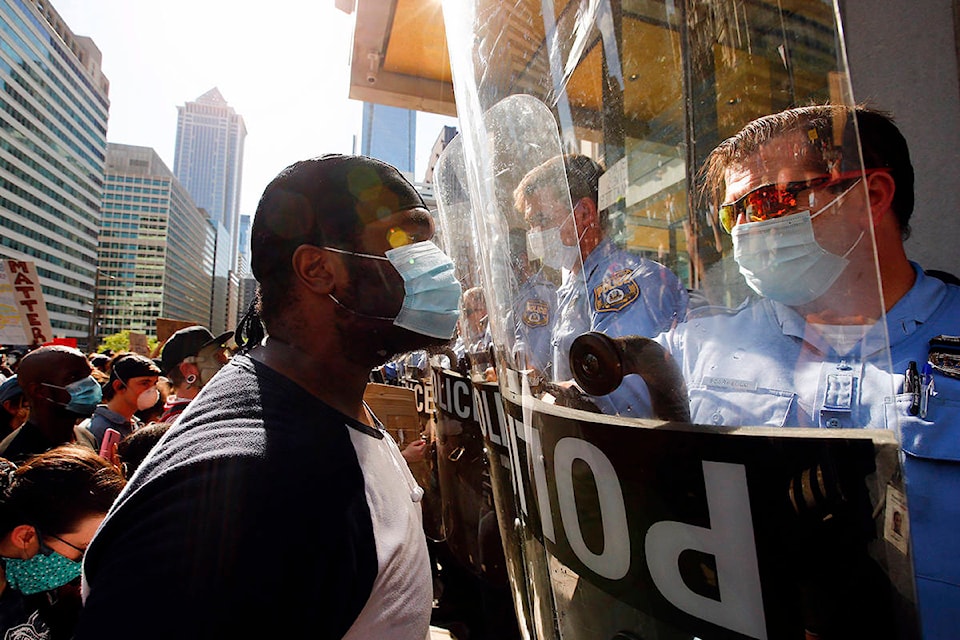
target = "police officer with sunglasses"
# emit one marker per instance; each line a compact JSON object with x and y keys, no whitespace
{"x":820,"y":240}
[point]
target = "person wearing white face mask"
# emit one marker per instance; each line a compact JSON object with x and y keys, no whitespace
{"x":612,"y":290}
{"x":131,"y":387}
{"x":278,"y":454}
{"x":811,"y":351}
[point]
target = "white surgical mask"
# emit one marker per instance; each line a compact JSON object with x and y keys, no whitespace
{"x":431,"y":301}
{"x":148,"y":398}
{"x":782,"y":260}
{"x":547,"y":246}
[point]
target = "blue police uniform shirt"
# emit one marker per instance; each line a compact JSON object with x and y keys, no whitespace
{"x":625,"y":295}
{"x":763,"y":365}
{"x":535,"y":313}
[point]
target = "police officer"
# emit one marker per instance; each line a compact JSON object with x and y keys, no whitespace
{"x":534,"y":310}
{"x":612,"y":290}
{"x":809,"y":351}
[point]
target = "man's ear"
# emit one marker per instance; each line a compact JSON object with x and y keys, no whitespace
{"x":24,"y":538}
{"x":187,"y":369}
{"x":881,"y":188}
{"x":585,"y":213}
{"x":315,"y":268}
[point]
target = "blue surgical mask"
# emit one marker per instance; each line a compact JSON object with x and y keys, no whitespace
{"x":85,"y":395}
{"x":41,"y":572}
{"x":431,"y":301}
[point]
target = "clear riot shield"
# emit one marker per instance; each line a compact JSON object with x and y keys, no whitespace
{"x":475,"y":539}
{"x":693,"y":297}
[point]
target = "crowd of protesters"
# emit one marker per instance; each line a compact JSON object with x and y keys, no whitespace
{"x":60,"y":472}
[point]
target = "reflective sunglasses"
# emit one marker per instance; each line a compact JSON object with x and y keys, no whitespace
{"x":777,"y":200}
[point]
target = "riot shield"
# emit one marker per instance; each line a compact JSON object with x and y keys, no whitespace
{"x":476,"y":538}
{"x":704,"y":266}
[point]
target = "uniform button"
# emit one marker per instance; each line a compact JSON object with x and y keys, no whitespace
{"x":716,"y":418}
{"x":833,"y":423}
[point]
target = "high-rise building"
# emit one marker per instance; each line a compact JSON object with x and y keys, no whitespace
{"x":53,"y":126}
{"x":222,"y":274}
{"x":208,"y":161}
{"x":243,"y":246}
{"x":156,"y":247}
{"x":444,"y":138}
{"x":247,"y":287}
{"x":390,"y":134}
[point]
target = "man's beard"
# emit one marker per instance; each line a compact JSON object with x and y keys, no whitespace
{"x":379,"y":341}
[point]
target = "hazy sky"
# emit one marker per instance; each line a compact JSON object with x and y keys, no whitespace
{"x":282,"y":65}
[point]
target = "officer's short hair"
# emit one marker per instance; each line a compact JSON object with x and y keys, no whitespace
{"x":581,"y":172}
{"x":830,"y":132}
{"x":323,"y":201}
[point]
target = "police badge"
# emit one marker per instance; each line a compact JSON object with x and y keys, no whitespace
{"x":615,"y":292}
{"x":536,"y":313}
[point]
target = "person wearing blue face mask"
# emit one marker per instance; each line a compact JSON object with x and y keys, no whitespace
{"x":58,"y":386}
{"x":50,"y":507}
{"x":277,"y":505}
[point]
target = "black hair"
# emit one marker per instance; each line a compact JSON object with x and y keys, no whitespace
{"x":55,"y":490}
{"x":324,"y":201}
{"x":132,"y":449}
{"x":126,"y":365}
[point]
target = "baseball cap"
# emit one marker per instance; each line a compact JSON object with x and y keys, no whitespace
{"x":133,"y":365}
{"x":188,"y":342}
{"x":10,"y":388}
{"x":99,"y":360}
{"x":328,"y":195}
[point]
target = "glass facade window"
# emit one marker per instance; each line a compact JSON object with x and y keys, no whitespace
{"x":148,"y":254}
{"x":53,"y":122}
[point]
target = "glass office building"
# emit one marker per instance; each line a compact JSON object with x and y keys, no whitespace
{"x":208,"y":159}
{"x":53,"y":126}
{"x":390,"y":134}
{"x":156,"y":247}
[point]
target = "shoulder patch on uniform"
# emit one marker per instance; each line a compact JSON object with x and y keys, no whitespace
{"x":536,"y":313}
{"x":616,"y":292}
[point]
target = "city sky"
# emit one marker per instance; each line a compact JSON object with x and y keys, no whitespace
{"x":283,"y":66}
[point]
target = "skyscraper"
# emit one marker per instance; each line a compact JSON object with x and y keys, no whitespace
{"x":208,"y":159}
{"x":390,"y":134}
{"x":156,"y":247}
{"x":208,"y":162}
{"x":53,"y":127}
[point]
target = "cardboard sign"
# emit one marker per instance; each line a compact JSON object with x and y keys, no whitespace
{"x":166,"y":327}
{"x":11,"y":325}
{"x":396,"y":408}
{"x":24,"y":284}
{"x":138,"y":343}
{"x":718,"y":533}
